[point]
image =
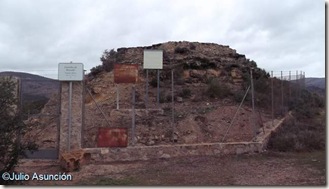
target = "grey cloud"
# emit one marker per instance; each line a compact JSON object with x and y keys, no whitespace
{"x":38,"y":34}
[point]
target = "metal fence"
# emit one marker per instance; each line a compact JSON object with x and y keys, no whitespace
{"x":273,"y":94}
{"x":285,"y":86}
{"x":156,"y":116}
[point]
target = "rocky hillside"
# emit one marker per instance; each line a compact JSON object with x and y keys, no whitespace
{"x":187,"y":56}
{"x":210,"y":82}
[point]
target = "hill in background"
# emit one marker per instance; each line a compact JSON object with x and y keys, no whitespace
{"x":35,"y":90}
{"x":315,"y":82}
{"x":317,"y":85}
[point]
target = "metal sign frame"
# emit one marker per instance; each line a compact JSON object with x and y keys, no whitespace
{"x":153,"y":59}
{"x":125,"y":73}
{"x":112,"y":137}
{"x":70,"y":71}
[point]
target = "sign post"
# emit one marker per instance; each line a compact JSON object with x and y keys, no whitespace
{"x":133,"y":129}
{"x":153,"y":59}
{"x":253,"y":103}
{"x":147,"y":89}
{"x":70,"y":72}
{"x":70,"y":118}
{"x":116,"y":85}
{"x":158,"y":87}
{"x":127,"y":73}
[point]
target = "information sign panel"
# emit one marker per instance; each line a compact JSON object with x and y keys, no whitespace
{"x":70,"y":71}
{"x":153,"y":59}
{"x":125,"y":73}
{"x":112,"y":137}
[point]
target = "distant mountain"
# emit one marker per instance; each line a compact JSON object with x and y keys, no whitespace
{"x":26,"y":76}
{"x":35,"y":89}
{"x":317,"y":85}
{"x":316,"y":82}
{"x":35,"y":85}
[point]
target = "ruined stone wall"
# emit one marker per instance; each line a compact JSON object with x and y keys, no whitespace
{"x":168,"y":151}
{"x":190,"y":52}
{"x":132,"y":153}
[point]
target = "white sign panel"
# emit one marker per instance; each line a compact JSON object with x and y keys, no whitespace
{"x":70,"y":71}
{"x":153,"y":59}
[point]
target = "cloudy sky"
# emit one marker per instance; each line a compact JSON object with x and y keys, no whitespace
{"x":36,"y":35}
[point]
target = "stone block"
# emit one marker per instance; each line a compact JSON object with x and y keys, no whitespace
{"x":72,"y":161}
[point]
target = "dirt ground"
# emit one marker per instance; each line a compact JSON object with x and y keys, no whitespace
{"x":266,"y":169}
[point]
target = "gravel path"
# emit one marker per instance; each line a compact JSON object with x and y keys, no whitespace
{"x":270,"y":168}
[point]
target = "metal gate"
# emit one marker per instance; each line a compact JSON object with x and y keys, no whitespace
{"x":40,"y":111}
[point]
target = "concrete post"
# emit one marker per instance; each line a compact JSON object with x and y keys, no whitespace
{"x":76,"y":117}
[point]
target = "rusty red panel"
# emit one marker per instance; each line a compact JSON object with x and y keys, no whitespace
{"x":125,"y":73}
{"x":112,"y":137}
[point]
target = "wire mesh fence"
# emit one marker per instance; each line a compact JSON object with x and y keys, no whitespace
{"x":274,"y":95}
{"x":286,"y":87}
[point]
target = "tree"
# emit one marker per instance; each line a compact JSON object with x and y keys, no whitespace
{"x":11,"y":126}
{"x":109,"y":58}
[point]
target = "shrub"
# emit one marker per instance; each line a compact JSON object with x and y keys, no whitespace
{"x":295,"y":135}
{"x":168,"y":98}
{"x":185,"y":92}
{"x":180,"y":81}
{"x":11,"y":127}
{"x":228,"y":67}
{"x":307,"y":105}
{"x":96,"y":70}
{"x":180,"y":50}
{"x":109,"y":58}
{"x":262,"y":85}
{"x":217,"y":89}
{"x":238,"y":96}
{"x":192,"y":46}
{"x":282,"y":142}
{"x":153,"y":82}
{"x":164,"y":98}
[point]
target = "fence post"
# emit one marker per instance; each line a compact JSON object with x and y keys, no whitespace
{"x":297,"y":84}
{"x":282,"y":105}
{"x":253,"y":102}
{"x":117,"y":95}
{"x":133,"y":116}
{"x":304,"y":84}
{"x":146,"y":88}
{"x":272,"y":90}
{"x":69,"y":117}
{"x":172,"y":104}
{"x":289,"y":83}
{"x":158,"y":88}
